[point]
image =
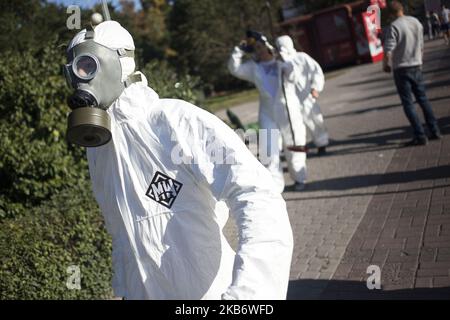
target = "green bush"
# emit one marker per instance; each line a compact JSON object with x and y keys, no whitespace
{"x":168,"y":84}
{"x":48,"y":220}
{"x":38,"y":247}
{"x":35,"y":160}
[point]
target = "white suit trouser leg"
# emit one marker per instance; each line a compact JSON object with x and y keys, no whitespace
{"x":296,"y":160}
{"x":295,"y":135}
{"x":313,"y":120}
{"x":296,"y":165}
{"x":269,"y":149}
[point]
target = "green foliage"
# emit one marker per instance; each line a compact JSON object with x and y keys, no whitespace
{"x":169,"y":84}
{"x":40,"y":238}
{"x":35,"y":160}
{"x":37,"y":248}
{"x":148,"y":27}
{"x":203,"y":33}
{"x":30,"y":23}
{"x":230,"y":99}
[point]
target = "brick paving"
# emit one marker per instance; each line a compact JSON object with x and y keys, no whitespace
{"x":371,"y":201}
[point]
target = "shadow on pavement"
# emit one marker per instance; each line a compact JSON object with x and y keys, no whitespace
{"x":444,"y":125}
{"x":368,"y":180}
{"x":381,"y":78}
{"x":436,"y":56}
{"x":437,"y":84}
{"x":384,"y":94}
{"x":380,"y":140}
{"x":436,"y":70}
{"x":363,"y":194}
{"x":379,"y":108}
{"x":353,"y":290}
{"x":388,"y":93}
{"x":393,"y":92}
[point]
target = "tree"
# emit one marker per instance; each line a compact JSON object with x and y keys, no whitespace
{"x":35,"y":160}
{"x":203,"y":34}
{"x":30,"y":24}
{"x":148,"y":27}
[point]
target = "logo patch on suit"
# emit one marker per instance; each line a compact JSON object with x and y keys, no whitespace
{"x":163,"y":189}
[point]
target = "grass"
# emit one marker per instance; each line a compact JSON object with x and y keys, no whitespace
{"x":214,"y":104}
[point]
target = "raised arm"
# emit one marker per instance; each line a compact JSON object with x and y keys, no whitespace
{"x":239,"y":68}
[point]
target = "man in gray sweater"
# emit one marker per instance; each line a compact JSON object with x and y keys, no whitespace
{"x":403,"y":53}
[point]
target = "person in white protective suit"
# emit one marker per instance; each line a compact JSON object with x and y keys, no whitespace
{"x":310,"y":82}
{"x":166,"y":182}
{"x":274,"y":80}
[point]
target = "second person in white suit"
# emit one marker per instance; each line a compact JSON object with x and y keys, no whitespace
{"x":274,"y":80}
{"x":309,"y":82}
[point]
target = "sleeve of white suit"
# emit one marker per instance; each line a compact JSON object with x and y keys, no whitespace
{"x":263,"y":258}
{"x":240,"y":69}
{"x":289,"y":71}
{"x":317,"y":79}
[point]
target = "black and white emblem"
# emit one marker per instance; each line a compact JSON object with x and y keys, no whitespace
{"x":163,"y":189}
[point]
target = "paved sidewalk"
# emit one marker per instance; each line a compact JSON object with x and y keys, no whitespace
{"x":372,"y":201}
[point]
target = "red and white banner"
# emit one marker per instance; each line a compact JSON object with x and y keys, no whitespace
{"x":372,"y":32}
{"x":380,"y":3}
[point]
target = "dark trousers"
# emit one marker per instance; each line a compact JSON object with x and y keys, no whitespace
{"x":436,"y":30}
{"x":409,"y":81}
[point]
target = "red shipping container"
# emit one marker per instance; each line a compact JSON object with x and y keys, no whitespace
{"x":340,"y":35}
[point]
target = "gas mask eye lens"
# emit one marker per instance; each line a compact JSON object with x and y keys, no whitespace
{"x":85,"y":67}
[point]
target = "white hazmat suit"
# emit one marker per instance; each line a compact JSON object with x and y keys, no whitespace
{"x":165,"y":197}
{"x":308,"y":76}
{"x":273,"y":114}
